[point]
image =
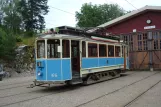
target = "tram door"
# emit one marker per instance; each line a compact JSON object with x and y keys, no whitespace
{"x":75,"y":58}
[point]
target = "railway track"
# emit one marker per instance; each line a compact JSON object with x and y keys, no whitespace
{"x":18,"y":85}
{"x":36,"y":89}
{"x":121,"y":89}
{"x":14,"y":84}
{"x":64,"y":88}
{"x":69,"y":88}
{"x":33,"y":91}
{"x":136,"y":98}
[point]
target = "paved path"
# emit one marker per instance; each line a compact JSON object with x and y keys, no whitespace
{"x":136,"y":89}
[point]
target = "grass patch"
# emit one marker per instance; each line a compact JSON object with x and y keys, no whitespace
{"x":30,"y":41}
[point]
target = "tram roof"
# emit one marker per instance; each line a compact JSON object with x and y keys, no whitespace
{"x":59,"y":36}
{"x":72,"y":37}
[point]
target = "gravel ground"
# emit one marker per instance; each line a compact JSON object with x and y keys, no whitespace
{"x":150,"y":99}
{"x":113,"y":93}
{"x":18,"y":80}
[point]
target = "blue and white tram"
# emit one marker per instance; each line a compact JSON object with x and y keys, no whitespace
{"x":62,"y":58}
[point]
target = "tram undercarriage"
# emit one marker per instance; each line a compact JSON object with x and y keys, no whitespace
{"x":95,"y":77}
{"x":85,"y":80}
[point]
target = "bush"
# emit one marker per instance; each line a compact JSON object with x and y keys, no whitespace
{"x":18,"y":39}
{"x":7,"y":45}
{"x":29,"y":34}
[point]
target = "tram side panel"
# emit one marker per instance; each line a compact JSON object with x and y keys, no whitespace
{"x":53,"y":70}
{"x":40,"y":70}
{"x":90,"y":65}
{"x":66,"y":69}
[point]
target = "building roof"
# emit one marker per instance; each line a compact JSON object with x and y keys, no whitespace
{"x":69,"y":27}
{"x":129,"y":15}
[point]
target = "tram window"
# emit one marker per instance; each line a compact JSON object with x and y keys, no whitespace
{"x":102,"y":50}
{"x":110,"y":51}
{"x":66,"y":48}
{"x":83,"y":49}
{"x":41,"y":49}
{"x":92,"y":50}
{"x":52,"y":48}
{"x":117,"y":51}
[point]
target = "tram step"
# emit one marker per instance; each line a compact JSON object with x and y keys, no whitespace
{"x":76,"y":80}
{"x":76,"y":74}
{"x":76,"y":77}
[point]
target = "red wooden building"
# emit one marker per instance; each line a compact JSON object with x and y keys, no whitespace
{"x":141,"y":29}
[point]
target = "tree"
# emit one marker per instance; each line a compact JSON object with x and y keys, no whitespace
{"x":32,"y":12}
{"x":94,"y":15}
{"x":23,"y":15}
{"x":7,"y":40}
{"x":7,"y":45}
{"x":3,"y":4}
{"x":12,"y":19}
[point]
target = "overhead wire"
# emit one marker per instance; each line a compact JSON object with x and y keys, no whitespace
{"x":131,"y":4}
{"x":59,"y":10}
{"x":62,"y":10}
{"x":74,"y":14}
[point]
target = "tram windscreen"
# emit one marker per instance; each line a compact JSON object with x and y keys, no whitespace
{"x":41,"y":49}
{"x":52,"y":48}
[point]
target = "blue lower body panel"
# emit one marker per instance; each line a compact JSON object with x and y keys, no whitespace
{"x":66,"y":69}
{"x":54,"y":70}
{"x":101,"y":62}
{"x":41,"y":70}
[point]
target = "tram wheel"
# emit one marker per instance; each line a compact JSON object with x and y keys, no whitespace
{"x":90,"y":79}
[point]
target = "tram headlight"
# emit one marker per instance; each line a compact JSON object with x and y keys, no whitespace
{"x":39,"y":73}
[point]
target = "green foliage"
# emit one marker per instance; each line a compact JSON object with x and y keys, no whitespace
{"x":19,"y":22}
{"x":29,"y":34}
{"x":23,"y":16}
{"x":7,"y":45}
{"x":29,"y":41}
{"x":94,"y":15}
{"x":12,"y":19}
{"x":32,"y":12}
{"x":18,"y":39}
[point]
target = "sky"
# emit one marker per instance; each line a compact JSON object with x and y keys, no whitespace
{"x":56,"y":18}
